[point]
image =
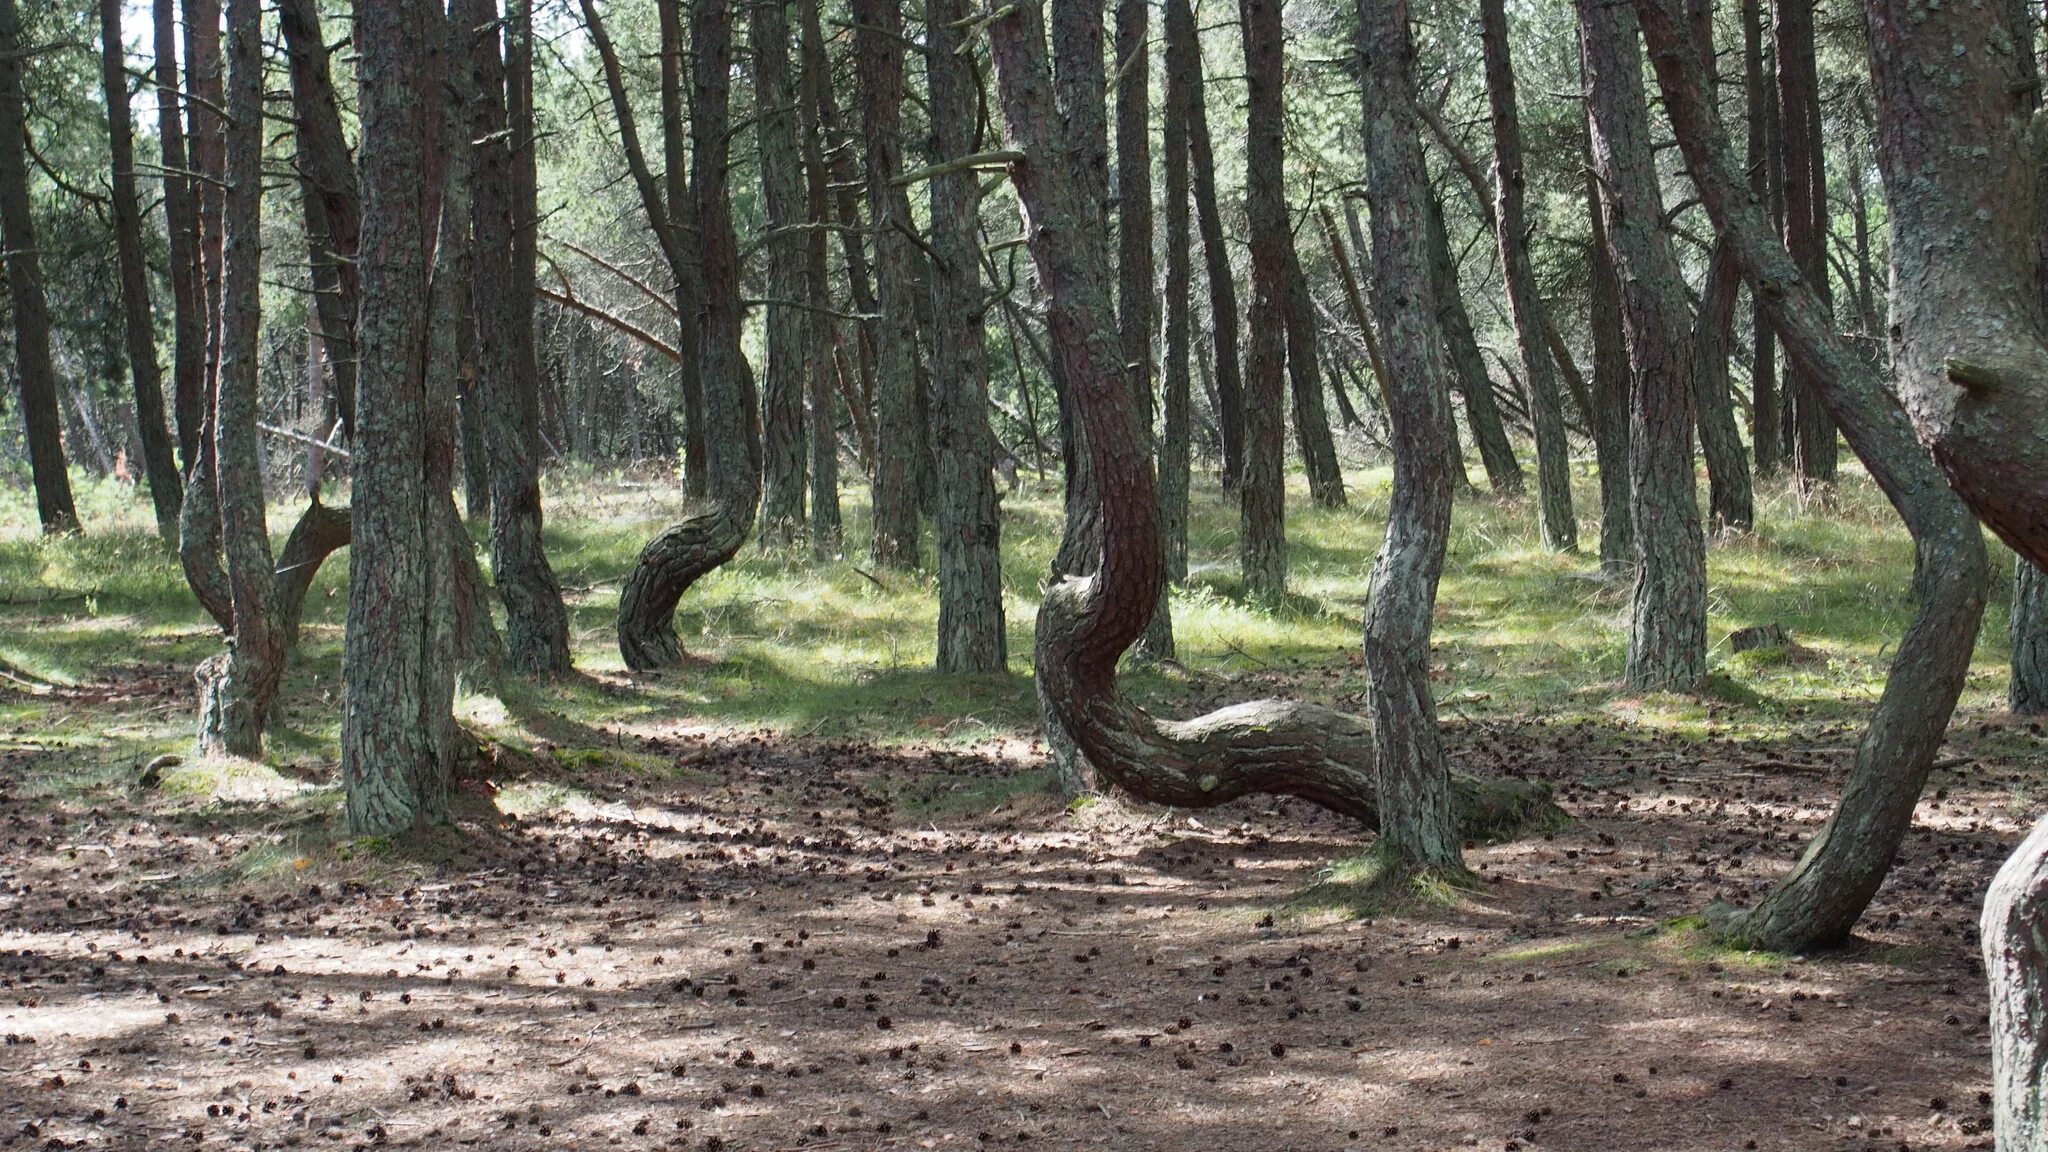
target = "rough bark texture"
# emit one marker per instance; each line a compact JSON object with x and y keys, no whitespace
{"x":1085,"y":623}
{"x":820,"y":367}
{"x":236,"y":693}
{"x":1611,"y":394}
{"x":1185,"y":60}
{"x":1137,"y":308}
{"x":1803,"y":162}
{"x":972,"y":636}
{"x":160,"y":461}
{"x":683,"y":554}
{"x":1546,"y":411}
{"x":181,"y":224}
{"x":1305,"y":387}
{"x":1667,"y":645}
{"x":878,"y":39}
{"x":1731,"y":499}
{"x":536,"y":622}
{"x":34,"y":371}
{"x":2027,"y":691}
{"x":782,"y":201}
{"x":1818,"y":903}
{"x":1468,"y":367}
{"x":1262,"y":486}
{"x":329,"y":199}
{"x":1760,"y":161}
{"x":1175,"y":447}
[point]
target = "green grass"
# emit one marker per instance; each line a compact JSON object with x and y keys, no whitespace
{"x":839,"y":649}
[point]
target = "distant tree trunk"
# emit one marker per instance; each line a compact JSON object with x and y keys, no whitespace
{"x":972,"y":635}
{"x":1761,"y":164}
{"x":679,"y":213}
{"x":681,"y":555}
{"x":1667,"y":646}
{"x":397,"y":736}
{"x":1305,"y":380}
{"x":1137,"y":309}
{"x":1731,"y":500}
{"x":1417,"y":826}
{"x":1804,"y":163}
{"x":1175,"y":448}
{"x":1181,"y":31}
{"x":41,"y":419}
{"x":782,"y":200}
{"x":181,"y":224}
{"x":878,"y":37}
{"x":1262,"y":488}
{"x":1468,"y":367}
{"x":820,"y":366}
{"x":328,"y":196}
{"x":2027,"y":691}
{"x":1086,"y":622}
{"x":1546,"y":411}
{"x":1612,"y":393}
{"x":160,"y":461}
{"x":205,"y":150}
{"x":536,"y":622}
{"x":236,"y":691}
{"x":1818,"y":903}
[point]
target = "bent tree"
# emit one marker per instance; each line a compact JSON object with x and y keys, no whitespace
{"x":1085,"y":623}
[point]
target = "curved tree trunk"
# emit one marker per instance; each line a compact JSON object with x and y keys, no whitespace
{"x":878,"y":39}
{"x":159,"y":460}
{"x":820,"y":368}
{"x":42,"y":422}
{"x":1546,"y":410}
{"x":782,"y":199}
{"x":1841,"y":869}
{"x":237,"y":692}
{"x":1262,"y":486}
{"x":1086,"y":623}
{"x":680,"y":556}
{"x":972,"y":636}
{"x":1667,"y":644}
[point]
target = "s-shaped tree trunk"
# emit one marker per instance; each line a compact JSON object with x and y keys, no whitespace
{"x":1086,"y":623}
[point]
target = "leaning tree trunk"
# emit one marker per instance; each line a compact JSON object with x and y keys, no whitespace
{"x":329,"y":200}
{"x":1469,"y":377}
{"x":236,"y":691}
{"x":1546,"y":410}
{"x":1305,"y":388}
{"x":1181,"y":32}
{"x":1611,"y":392}
{"x":1667,"y":644}
{"x":397,"y":736}
{"x":1818,"y":903}
{"x":685,"y":553}
{"x":820,"y":371}
{"x":782,"y":203}
{"x":878,"y":36}
{"x":160,"y":462}
{"x":33,"y":367}
{"x":2027,"y":691}
{"x":971,"y":635}
{"x":1086,"y":622}
{"x":536,"y":622}
{"x":1262,"y":487}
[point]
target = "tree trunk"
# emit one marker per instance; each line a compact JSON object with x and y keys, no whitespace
{"x":329,"y":199}
{"x":683,"y":554}
{"x":160,"y":462}
{"x":1305,"y":381}
{"x":878,"y":37}
{"x":1818,"y":903}
{"x":536,"y":622}
{"x":1612,"y":393}
{"x":1667,"y":646}
{"x":204,"y":144}
{"x":181,"y":225}
{"x":1175,"y":446}
{"x":42,"y":421}
{"x":1137,"y":309}
{"x":1761,"y":163}
{"x":397,"y":736}
{"x":820,"y":367}
{"x":1181,"y":31}
{"x":1262,"y":487}
{"x":1085,"y":623}
{"x":2027,"y":691}
{"x":1468,"y":367}
{"x":1546,"y":413}
{"x":237,"y":692}
{"x":782,"y":201}
{"x":969,"y":530}
{"x":1804,"y":163}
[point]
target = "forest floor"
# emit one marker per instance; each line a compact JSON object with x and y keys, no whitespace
{"x":804,"y":894}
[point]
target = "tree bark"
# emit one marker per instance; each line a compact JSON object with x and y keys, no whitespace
{"x":1262,"y":487}
{"x":972,"y":636}
{"x":536,"y":622}
{"x":1546,"y":412}
{"x":782,"y":201}
{"x":2027,"y":691}
{"x":331,"y":204}
{"x":1137,"y":310}
{"x":1086,"y":622}
{"x":42,"y":422}
{"x":1468,"y":367}
{"x":821,"y":367}
{"x":1804,"y":164}
{"x":683,"y":554}
{"x":1761,"y":164}
{"x":160,"y":462}
{"x":1175,"y":446}
{"x":1818,"y":903}
{"x":237,"y":692}
{"x":878,"y":39}
{"x":1305,"y":385}
{"x":1667,"y":646}
{"x":1612,"y":400}
{"x":181,"y":225}
{"x":1181,"y":35}
{"x":204,"y":143}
